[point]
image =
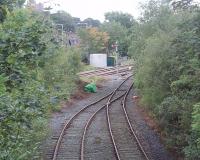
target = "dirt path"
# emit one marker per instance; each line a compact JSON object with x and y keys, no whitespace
{"x":98,"y":143}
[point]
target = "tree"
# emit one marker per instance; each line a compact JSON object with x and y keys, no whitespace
{"x":167,"y":72}
{"x":64,"y":18}
{"x":93,"y":40}
{"x":92,"y":22}
{"x":33,"y":71}
{"x":11,"y":4}
{"x":8,"y":5}
{"x":117,"y":33}
{"x":76,"y":20}
{"x":23,"y":38}
{"x":124,"y":19}
{"x":155,"y":16}
{"x":193,"y":150}
{"x":181,"y":4}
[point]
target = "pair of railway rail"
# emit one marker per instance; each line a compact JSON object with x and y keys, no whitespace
{"x":106,"y":71}
{"x":110,"y":100}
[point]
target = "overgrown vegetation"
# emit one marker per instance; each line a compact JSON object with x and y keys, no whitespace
{"x":35,"y":74}
{"x":165,"y":45}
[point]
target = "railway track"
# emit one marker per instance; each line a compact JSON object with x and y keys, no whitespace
{"x":87,"y":115}
{"x":119,"y":142}
{"x":106,"y":71}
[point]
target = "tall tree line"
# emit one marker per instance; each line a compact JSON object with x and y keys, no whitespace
{"x":165,"y":46}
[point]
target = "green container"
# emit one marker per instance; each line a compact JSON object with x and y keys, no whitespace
{"x":110,"y":61}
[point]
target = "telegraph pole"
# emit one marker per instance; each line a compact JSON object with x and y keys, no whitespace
{"x":62,"y":32}
{"x":116,"y":50}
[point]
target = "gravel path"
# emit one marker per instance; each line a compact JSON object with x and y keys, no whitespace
{"x":98,"y":144}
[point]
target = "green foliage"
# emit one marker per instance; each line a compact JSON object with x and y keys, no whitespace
{"x":64,"y":18}
{"x":165,"y":45}
{"x":20,"y":134}
{"x":27,"y":93}
{"x":60,"y":72}
{"x":8,"y":5}
{"x":22,"y":43}
{"x":2,"y":86}
{"x":137,"y":41}
{"x":156,"y":17}
{"x":151,"y":66}
{"x":182,"y":4}
{"x":124,"y":19}
{"x":118,"y":33}
{"x":93,"y":40}
{"x":12,"y":3}
{"x":193,"y":150}
{"x":92,"y":22}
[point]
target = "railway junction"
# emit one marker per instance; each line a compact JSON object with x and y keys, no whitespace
{"x":104,"y":126}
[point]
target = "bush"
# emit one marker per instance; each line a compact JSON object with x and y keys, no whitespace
{"x":167,"y":72}
{"x":60,"y":72}
{"x":193,"y":150}
{"x":33,"y":70}
{"x":150,"y":78}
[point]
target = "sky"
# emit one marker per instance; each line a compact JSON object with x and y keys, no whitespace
{"x":95,"y":8}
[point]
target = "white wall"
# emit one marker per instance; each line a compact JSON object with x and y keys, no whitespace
{"x":98,"y":60}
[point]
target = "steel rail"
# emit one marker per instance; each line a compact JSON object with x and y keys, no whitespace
{"x":103,"y":70}
{"x":130,"y":125}
{"x":89,"y":122}
{"x":105,"y":73}
{"x":109,"y":123}
{"x":97,"y":70}
{"x":67,"y":123}
{"x":127,"y":119}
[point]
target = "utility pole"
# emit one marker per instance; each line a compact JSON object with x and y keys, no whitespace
{"x":116,"y":50}
{"x":62,"y":34}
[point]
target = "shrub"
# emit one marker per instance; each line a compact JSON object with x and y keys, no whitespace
{"x":28,"y":81}
{"x":193,"y":150}
{"x":167,"y":72}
